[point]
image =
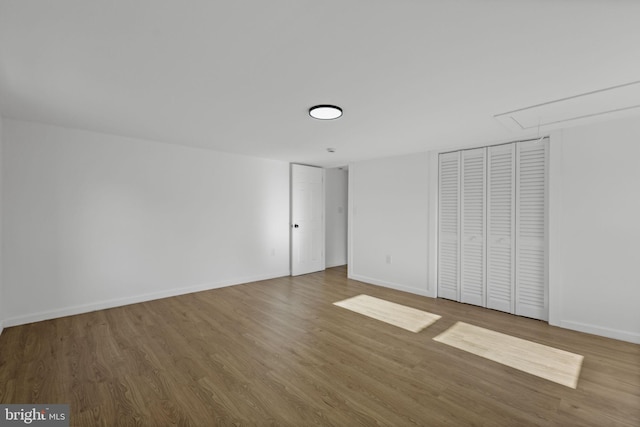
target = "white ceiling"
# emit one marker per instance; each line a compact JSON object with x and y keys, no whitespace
{"x":239,"y":76}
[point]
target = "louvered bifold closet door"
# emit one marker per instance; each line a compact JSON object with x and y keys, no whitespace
{"x":472,"y":196}
{"x":501,"y":201}
{"x":448,"y":226}
{"x":531,"y":200}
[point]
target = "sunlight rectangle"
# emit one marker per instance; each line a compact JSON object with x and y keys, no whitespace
{"x":546,"y":362}
{"x":399,"y":315}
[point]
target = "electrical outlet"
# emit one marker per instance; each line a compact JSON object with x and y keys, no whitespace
{"x":388,"y":259}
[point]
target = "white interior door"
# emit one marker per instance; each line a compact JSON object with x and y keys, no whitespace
{"x":501,"y":204}
{"x":531,"y":236}
{"x":473,"y":229}
{"x":307,"y":219}
{"x":449,"y":226}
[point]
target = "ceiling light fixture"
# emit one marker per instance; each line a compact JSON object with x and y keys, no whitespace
{"x":325,"y":112}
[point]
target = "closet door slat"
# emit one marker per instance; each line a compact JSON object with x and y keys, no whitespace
{"x":473,"y":227}
{"x":531,"y":219}
{"x":449,"y":226}
{"x":501,"y":202}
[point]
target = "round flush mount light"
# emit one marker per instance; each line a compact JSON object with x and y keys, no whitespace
{"x":325,"y":112}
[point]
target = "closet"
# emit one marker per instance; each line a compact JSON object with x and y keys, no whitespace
{"x":492,"y":227}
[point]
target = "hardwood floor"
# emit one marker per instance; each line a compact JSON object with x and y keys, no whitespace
{"x":278,"y":352}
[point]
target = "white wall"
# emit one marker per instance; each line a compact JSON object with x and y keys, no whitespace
{"x":595,"y":281}
{"x":594,"y":228}
{"x":336,"y":208}
{"x":1,"y":282}
{"x":388,"y":218}
{"x":93,"y":220}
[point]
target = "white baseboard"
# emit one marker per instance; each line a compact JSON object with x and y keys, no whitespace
{"x":119,"y":302}
{"x":335,"y":264}
{"x":632,"y":337}
{"x":391,"y":285}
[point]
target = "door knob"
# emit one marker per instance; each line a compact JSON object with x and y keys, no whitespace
{"x":295,"y":225}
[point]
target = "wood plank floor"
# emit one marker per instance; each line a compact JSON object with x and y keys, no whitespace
{"x":278,"y":352}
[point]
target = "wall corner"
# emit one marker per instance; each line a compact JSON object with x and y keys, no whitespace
{"x":432,"y":225}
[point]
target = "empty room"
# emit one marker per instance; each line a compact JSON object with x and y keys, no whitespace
{"x":335,"y":213}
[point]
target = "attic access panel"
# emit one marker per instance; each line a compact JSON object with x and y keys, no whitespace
{"x":621,"y":100}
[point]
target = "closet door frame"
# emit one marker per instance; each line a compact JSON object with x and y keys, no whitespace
{"x":434,"y":258}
